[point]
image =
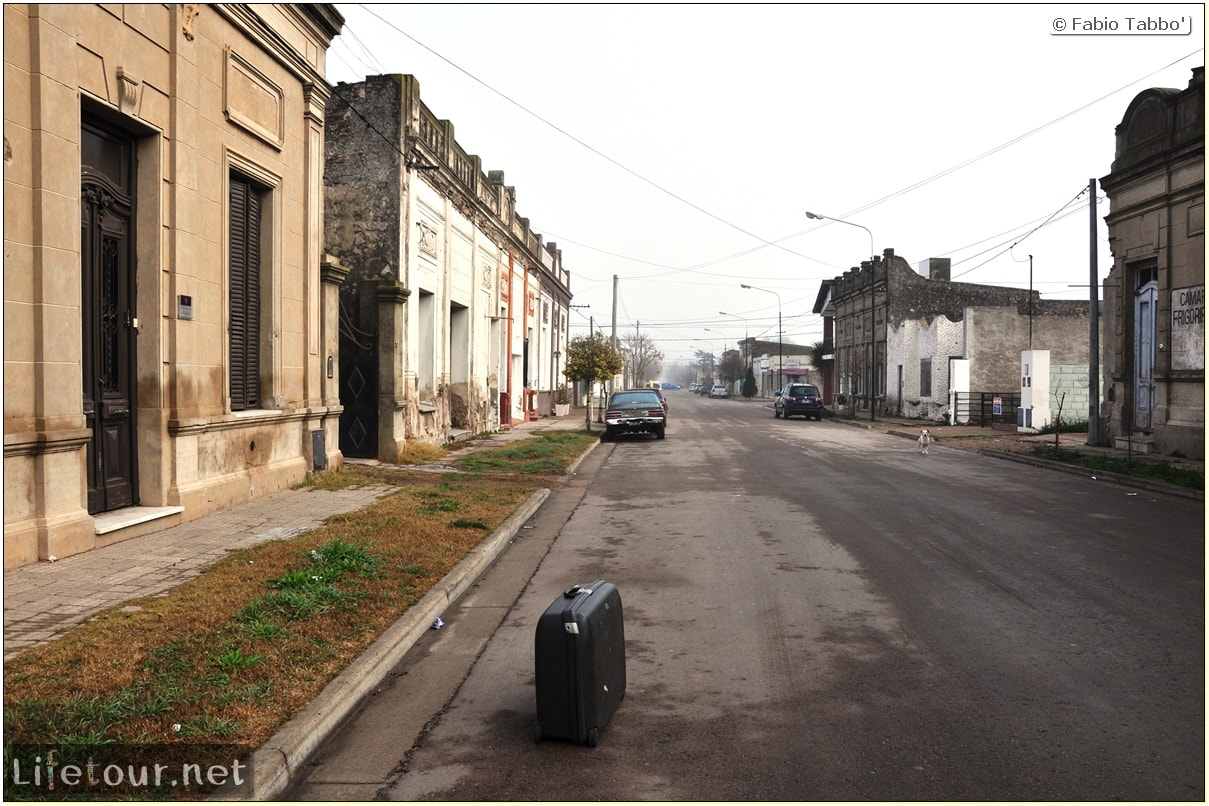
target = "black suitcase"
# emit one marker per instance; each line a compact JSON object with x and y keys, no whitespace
{"x":579,"y":660}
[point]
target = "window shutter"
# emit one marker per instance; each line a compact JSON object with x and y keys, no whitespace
{"x":244,"y":288}
{"x":252,"y":290}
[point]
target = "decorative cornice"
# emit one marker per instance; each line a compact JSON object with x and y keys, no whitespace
{"x":235,"y":422}
{"x":41,"y":442}
{"x":391,"y":291}
{"x":331,"y":270}
{"x":244,"y":17}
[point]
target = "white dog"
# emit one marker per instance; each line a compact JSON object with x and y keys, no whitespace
{"x":925,"y":439}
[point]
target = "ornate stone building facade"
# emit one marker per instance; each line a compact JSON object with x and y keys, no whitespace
{"x":1154,"y":296}
{"x":168,"y":325}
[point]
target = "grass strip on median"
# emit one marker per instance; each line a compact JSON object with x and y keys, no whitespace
{"x":229,"y":657}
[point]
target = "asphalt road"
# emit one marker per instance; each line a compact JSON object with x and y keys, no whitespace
{"x":816,"y":612}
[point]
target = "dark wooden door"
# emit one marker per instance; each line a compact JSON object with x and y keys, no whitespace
{"x":107,"y":314}
{"x":358,"y":370}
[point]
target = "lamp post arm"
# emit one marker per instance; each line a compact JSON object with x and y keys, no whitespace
{"x":872,"y":248}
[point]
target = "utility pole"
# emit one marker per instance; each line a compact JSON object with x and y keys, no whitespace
{"x":1093,"y":316}
{"x":1030,"y":302}
{"x":872,"y":335}
{"x":614,"y":325}
{"x":614,"y":311}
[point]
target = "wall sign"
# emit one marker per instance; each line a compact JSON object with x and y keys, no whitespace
{"x":1188,"y":327}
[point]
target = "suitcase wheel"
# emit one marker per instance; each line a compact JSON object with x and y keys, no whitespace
{"x":537,"y":735}
{"x":593,"y":737}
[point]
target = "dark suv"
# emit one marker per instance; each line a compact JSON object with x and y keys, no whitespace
{"x":799,"y":398}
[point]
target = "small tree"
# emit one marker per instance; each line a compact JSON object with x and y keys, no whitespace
{"x":818,"y":353}
{"x":706,"y":363}
{"x":749,"y":383}
{"x":731,"y":367}
{"x":1061,"y":398}
{"x":591,"y":359}
{"x":643,"y":357}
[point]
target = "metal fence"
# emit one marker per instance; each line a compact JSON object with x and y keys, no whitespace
{"x":986,"y":408}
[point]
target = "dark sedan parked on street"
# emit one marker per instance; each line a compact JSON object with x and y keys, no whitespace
{"x":635,"y":411}
{"x":799,"y":398}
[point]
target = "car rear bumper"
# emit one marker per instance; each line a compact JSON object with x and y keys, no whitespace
{"x":801,"y":409}
{"x":624,"y":425}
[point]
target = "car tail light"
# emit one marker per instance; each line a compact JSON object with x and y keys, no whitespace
{"x":655,"y":413}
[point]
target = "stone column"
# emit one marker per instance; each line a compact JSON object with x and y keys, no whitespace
{"x":391,"y":298}
{"x":314,"y":292}
{"x":45,"y":433}
{"x":331,"y":274}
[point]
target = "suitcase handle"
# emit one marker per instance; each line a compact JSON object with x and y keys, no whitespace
{"x":576,"y":590}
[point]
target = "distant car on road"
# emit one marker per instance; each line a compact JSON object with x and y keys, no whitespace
{"x":799,"y":398}
{"x":657,"y":391}
{"x":635,"y":411}
{"x":719,"y":390}
{"x":671,"y":387}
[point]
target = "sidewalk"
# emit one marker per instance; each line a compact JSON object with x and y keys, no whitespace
{"x":1020,"y":447}
{"x":971,"y":437}
{"x":42,"y":599}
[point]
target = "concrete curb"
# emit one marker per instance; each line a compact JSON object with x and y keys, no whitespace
{"x":276,"y":764}
{"x":905,"y":434}
{"x":1099,"y":475}
{"x":570,"y":471}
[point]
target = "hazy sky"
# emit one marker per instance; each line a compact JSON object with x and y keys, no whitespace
{"x":678,"y":147}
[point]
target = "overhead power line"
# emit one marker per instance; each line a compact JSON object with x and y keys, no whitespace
{"x":580,"y":142}
{"x":763,"y":242}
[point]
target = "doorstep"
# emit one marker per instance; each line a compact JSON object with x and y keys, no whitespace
{"x":123,"y":524}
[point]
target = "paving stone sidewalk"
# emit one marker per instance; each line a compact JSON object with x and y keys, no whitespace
{"x":42,"y":599}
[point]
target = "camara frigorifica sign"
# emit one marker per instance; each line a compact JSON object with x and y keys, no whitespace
{"x":1188,"y":327}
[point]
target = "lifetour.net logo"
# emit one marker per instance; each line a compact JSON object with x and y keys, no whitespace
{"x":123,"y":771}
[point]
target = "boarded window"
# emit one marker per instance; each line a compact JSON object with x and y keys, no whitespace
{"x":925,"y":377}
{"x":244,"y":295}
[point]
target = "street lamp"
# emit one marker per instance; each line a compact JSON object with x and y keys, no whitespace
{"x":872,"y":303}
{"x":746,"y":344}
{"x":872,"y":249}
{"x":780,"y":333}
{"x":722,"y":352}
